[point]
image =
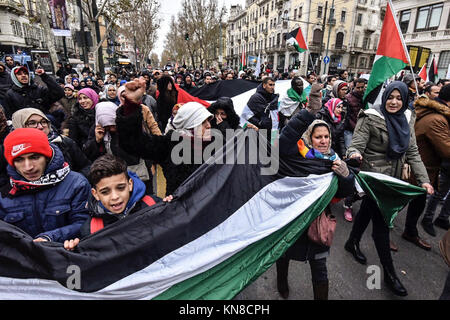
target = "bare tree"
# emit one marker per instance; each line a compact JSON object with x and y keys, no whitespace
{"x":201,"y":20}
{"x":141,"y":26}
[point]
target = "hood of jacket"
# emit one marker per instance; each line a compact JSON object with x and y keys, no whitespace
{"x":268,"y":96}
{"x":425,"y":106}
{"x":98,"y":210}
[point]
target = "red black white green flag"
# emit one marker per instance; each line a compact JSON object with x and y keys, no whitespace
{"x":295,"y":38}
{"x":391,"y":57}
{"x":432,"y":73}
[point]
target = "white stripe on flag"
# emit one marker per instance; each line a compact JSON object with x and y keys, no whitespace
{"x":254,"y":221}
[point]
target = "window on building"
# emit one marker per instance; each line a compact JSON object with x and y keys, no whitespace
{"x":339,"y":40}
{"x":404,"y":20}
{"x":319,"y":12}
{"x":295,"y":13}
{"x":17,"y":28}
{"x":352,"y":61}
{"x":362,"y":62}
{"x":317,"y":36}
{"x":278,"y":39}
{"x":444,"y":61}
{"x":272,"y":6}
{"x":356,"y":43}
{"x":429,"y":17}
{"x":343,"y":13}
{"x":300,"y":11}
{"x":366,"y":43}
{"x":359,"y":19}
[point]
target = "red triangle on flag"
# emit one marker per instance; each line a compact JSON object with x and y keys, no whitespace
{"x":391,"y":41}
{"x":423,"y":72}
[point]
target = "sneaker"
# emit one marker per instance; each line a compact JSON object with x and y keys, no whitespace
{"x":348,"y":214}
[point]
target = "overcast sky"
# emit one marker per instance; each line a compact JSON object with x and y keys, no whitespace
{"x":172,"y":7}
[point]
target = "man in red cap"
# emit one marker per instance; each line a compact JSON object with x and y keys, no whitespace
{"x":44,"y":197}
{"x":24,"y":93}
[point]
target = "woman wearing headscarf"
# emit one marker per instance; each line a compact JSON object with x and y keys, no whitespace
{"x":307,"y":141}
{"x":331,"y":113}
{"x":90,"y":83}
{"x":225,"y":117}
{"x":191,"y":123}
{"x":83,"y":118}
{"x":167,"y":98}
{"x":110,"y":94}
{"x":384,"y":140}
{"x":76,"y":84}
{"x":35,"y":118}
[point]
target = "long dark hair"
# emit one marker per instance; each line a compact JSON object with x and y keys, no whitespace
{"x":227,"y":105}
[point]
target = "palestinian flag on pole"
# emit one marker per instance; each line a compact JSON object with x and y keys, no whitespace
{"x":433,"y":72}
{"x":295,"y":38}
{"x":392,"y":56}
{"x":243,"y":62}
{"x":423,"y":72}
{"x":227,"y":224}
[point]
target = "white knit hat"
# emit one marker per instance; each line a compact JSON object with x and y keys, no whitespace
{"x":191,"y":115}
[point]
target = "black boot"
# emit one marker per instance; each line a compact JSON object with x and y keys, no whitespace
{"x":352,"y":246}
{"x":282,"y":277}
{"x":320,"y":290}
{"x":442,"y":223}
{"x":393,"y":282}
{"x":427,"y":225}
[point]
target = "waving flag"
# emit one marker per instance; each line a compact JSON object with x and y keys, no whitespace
{"x":295,"y":38}
{"x":423,"y":72}
{"x":391,"y":57}
{"x":227,"y":225}
{"x":433,"y":72}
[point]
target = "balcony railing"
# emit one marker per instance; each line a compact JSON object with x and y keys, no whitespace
{"x":12,"y":6}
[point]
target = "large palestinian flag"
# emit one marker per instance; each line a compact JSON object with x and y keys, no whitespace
{"x":227,"y":225}
{"x":391,"y":56}
{"x":295,"y":38}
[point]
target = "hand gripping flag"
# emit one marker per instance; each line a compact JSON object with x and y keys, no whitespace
{"x":227,"y":224}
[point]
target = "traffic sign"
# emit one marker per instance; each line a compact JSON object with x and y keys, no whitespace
{"x":339,"y":65}
{"x":326,"y":59}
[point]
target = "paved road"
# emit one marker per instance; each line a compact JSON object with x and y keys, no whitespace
{"x":423,"y":273}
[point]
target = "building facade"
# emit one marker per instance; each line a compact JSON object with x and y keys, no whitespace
{"x":344,"y":31}
{"x":426,"y":28}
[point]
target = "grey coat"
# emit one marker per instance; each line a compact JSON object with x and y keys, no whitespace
{"x":371,"y":140}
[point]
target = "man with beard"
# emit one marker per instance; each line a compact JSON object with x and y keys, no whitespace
{"x":355,"y":104}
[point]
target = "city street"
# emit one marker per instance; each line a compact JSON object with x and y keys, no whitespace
{"x":423,"y":273}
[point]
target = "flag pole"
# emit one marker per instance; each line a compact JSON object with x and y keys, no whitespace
{"x":404,"y":46}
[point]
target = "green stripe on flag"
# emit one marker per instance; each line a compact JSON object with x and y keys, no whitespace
{"x":390,"y":196}
{"x":298,"y":48}
{"x":230,"y":277}
{"x":383,"y":68}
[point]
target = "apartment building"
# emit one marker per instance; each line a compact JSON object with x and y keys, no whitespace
{"x":345,"y":31}
{"x":426,"y":28}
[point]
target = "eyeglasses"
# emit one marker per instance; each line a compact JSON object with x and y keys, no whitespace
{"x":34,"y":124}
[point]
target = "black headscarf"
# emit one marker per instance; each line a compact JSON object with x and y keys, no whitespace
{"x":396,"y":123}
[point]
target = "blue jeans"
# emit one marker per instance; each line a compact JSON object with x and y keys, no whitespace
{"x":444,"y":186}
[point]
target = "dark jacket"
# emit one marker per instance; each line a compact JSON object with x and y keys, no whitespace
{"x":56,"y":212}
{"x":79,"y":124}
{"x":72,"y":154}
{"x":5,"y":84}
{"x":94,"y":150}
{"x":33,"y":96}
{"x":135,"y":204}
{"x":355,"y":104}
{"x":132,"y":139}
{"x":304,"y":249}
{"x":261,"y":104}
{"x":337,"y":131}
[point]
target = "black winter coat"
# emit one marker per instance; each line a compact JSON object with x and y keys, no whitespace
{"x":5,"y":84}
{"x":33,"y":96}
{"x":261,"y":103}
{"x":304,"y":249}
{"x":76,"y":159}
{"x":156,"y":148}
{"x":79,"y":125}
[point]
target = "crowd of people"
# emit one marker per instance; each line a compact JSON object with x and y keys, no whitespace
{"x":79,"y":151}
